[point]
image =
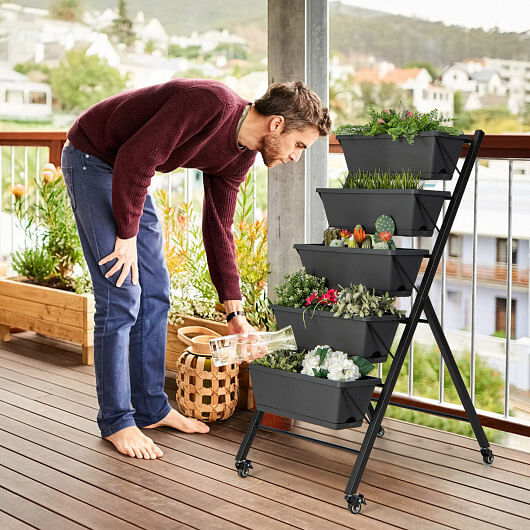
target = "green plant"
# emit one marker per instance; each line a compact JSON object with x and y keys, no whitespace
{"x":36,"y":263}
{"x":331,"y":234}
{"x":289,"y":361}
{"x":296,"y":287}
{"x":51,"y":236}
{"x":399,"y":124}
{"x":385,"y":223}
{"x":358,"y":301}
{"x":375,"y":179}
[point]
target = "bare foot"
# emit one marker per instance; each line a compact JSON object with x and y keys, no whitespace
{"x":178,"y":421}
{"x":131,"y":441}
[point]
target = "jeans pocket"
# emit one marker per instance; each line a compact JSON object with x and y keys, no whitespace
{"x":69,"y":182}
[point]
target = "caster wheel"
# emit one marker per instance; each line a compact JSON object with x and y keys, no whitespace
{"x":487,"y":455}
{"x":243,"y":468}
{"x":355,"y":502}
{"x":381,"y":432}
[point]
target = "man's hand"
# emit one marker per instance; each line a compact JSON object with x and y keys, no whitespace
{"x":127,"y":260}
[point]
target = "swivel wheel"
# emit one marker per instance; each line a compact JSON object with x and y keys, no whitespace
{"x":243,"y":467}
{"x":381,"y":432}
{"x":355,"y":502}
{"x":487,"y":455}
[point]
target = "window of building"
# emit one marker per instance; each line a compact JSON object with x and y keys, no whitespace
{"x":455,"y":246}
{"x":14,"y":96}
{"x":37,"y":98}
{"x":502,"y":250}
{"x":500,"y":317}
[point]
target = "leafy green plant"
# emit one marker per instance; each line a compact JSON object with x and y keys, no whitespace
{"x":399,"y":124}
{"x":358,"y":301}
{"x":374,"y":180}
{"x":37,"y":263}
{"x":289,"y":361}
{"x":51,"y":236}
{"x":296,"y":287}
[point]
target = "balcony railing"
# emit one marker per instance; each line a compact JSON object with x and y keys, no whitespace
{"x":506,"y":147}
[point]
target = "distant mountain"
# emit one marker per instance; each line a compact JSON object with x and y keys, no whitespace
{"x":395,"y":38}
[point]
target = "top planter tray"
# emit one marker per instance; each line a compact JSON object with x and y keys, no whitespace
{"x":434,"y":154}
{"x":392,"y":271}
{"x":415,"y":212}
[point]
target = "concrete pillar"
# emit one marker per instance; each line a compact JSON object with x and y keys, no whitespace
{"x":297,"y":50}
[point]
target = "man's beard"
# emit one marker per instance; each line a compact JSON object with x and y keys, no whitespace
{"x":269,"y":147}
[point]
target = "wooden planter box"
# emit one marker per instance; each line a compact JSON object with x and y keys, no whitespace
{"x":52,"y":312}
{"x":174,"y":347}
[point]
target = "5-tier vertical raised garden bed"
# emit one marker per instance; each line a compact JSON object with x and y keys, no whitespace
{"x":415,"y":211}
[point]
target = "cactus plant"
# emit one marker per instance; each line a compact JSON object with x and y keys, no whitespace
{"x":381,"y":245}
{"x":385,"y":223}
{"x":359,"y":234}
{"x":352,"y":243}
{"x":330,"y":234}
{"x":367,"y":243}
{"x":391,"y":245}
{"x":336,"y":243}
{"x":385,"y":236}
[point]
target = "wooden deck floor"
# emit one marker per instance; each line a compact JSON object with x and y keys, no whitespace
{"x":56,"y":472}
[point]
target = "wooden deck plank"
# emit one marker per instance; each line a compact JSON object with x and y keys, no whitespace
{"x":123,"y":509}
{"x":21,"y":389}
{"x":10,"y":523}
{"x":58,"y":502}
{"x":201,"y":478}
{"x":33,"y":514}
{"x":413,"y":508}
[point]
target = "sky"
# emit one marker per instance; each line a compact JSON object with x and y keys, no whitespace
{"x":507,"y":15}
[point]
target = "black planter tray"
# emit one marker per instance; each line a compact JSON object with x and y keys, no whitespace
{"x":392,"y":271}
{"x":433,"y":153}
{"x":332,"y":404}
{"x":414,"y":211}
{"x":369,"y":337}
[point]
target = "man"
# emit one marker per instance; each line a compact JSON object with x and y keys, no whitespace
{"x":112,"y":152}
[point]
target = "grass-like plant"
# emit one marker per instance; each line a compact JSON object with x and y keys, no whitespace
{"x":379,"y":180}
{"x":399,"y":124}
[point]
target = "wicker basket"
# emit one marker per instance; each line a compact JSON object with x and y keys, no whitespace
{"x":204,"y":391}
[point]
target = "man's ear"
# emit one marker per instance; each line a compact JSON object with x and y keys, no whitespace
{"x":276,"y":123}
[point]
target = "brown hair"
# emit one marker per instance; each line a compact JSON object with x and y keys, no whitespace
{"x":298,"y":104}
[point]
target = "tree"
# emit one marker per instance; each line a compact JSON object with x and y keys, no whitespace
{"x":122,"y":27}
{"x":70,"y":10}
{"x":80,"y":81}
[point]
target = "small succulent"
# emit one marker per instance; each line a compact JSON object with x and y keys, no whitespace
{"x":385,"y":223}
{"x":352,"y":243}
{"x":336,"y":243}
{"x":367,"y":243}
{"x":358,"y":301}
{"x":331,"y":234}
{"x":385,"y":236}
{"x":289,"y":361}
{"x":359,"y":234}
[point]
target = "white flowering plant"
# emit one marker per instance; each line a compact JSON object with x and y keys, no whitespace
{"x":324,"y":362}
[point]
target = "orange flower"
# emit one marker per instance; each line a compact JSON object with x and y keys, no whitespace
{"x":345,"y":233}
{"x":18,"y":191}
{"x":385,"y":236}
{"x":48,"y":176}
{"x":359,"y":234}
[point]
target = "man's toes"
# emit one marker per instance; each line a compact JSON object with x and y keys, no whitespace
{"x":145,"y":453}
{"x":138,"y":453}
{"x":157,"y":451}
{"x":128,"y":451}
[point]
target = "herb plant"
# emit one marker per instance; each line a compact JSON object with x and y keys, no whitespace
{"x":289,"y":361}
{"x":358,"y":301}
{"x":399,"y":124}
{"x":382,"y":180}
{"x":297,"y":287}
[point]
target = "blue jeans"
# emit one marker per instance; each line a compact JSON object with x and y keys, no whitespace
{"x":130,"y":322}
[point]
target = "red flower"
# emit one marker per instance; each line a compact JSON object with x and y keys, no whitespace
{"x":385,"y":236}
{"x":330,"y":297}
{"x":387,"y":111}
{"x":345,"y":233}
{"x":380,"y":121}
{"x":310,"y":299}
{"x":409,"y":114}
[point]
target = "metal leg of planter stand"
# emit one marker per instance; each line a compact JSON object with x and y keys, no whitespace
{"x":243,"y":465}
{"x":460,"y":386}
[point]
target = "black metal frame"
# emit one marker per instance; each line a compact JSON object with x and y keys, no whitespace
{"x":422,"y":303}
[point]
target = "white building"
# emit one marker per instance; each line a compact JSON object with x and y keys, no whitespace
{"x":21,"y":99}
{"x":209,"y":40}
{"x":425,"y":94}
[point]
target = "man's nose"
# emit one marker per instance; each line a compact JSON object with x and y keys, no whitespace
{"x":295,"y":155}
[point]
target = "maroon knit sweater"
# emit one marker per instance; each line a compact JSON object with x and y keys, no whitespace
{"x":182,"y":123}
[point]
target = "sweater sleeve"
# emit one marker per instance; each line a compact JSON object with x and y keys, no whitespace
{"x":174,"y":123}
{"x":220,"y":199}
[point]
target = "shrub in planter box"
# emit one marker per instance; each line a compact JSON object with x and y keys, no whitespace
{"x":334,"y":403}
{"x":399,"y":141}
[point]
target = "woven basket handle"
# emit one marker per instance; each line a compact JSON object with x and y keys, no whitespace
{"x":196,"y":331}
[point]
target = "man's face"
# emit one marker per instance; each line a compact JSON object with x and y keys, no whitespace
{"x":278,"y":148}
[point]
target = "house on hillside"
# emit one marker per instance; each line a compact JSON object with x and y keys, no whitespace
{"x":424,"y":92}
{"x":20,"y":99}
{"x":152,"y":32}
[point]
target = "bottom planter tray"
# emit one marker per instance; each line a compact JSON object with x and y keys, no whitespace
{"x":324,"y":402}
{"x":369,"y":337}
